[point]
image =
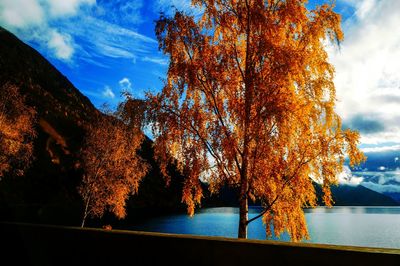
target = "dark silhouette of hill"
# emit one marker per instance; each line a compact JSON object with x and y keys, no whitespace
{"x":62,"y":115}
{"x":343,"y":195}
{"x":48,"y":190}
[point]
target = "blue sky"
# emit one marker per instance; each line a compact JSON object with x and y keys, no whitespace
{"x":103,"y":47}
{"x":106,"y":47}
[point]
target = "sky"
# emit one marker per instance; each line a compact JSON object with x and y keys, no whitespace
{"x":106,"y":47}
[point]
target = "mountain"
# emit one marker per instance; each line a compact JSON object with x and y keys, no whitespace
{"x":48,"y":191}
{"x":343,"y":195}
{"x":62,"y":115}
{"x":346,"y":195}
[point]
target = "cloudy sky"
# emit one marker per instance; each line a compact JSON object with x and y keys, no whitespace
{"x":105,"y":47}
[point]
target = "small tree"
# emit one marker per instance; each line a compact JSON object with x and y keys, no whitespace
{"x":113,"y":169}
{"x":249,"y":102}
{"x":16,"y":131}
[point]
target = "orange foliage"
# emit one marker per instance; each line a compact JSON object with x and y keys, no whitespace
{"x":16,"y":131}
{"x":113,"y":170}
{"x":249,"y":101}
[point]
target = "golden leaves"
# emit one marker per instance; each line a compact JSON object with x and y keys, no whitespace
{"x":113,"y":169}
{"x":16,"y":131}
{"x":355,"y":155}
{"x":250,"y":95}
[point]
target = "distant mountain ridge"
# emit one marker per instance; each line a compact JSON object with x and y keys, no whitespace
{"x":346,"y":195}
{"x":343,"y":195}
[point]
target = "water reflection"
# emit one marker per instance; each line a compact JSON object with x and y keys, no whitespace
{"x":359,"y":226}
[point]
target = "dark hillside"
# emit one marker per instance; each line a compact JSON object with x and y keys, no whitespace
{"x":48,"y":191}
{"x":345,"y":195}
{"x":62,"y":114}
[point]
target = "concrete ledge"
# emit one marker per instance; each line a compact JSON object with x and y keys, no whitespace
{"x":28,"y":244}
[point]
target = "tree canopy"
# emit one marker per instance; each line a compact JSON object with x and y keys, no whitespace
{"x":249,"y":102}
{"x":113,"y":168}
{"x":16,"y":131}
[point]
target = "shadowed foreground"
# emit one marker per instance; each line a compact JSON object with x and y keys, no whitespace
{"x":26,"y":244}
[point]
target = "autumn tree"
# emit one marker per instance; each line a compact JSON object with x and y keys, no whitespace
{"x":16,"y":131}
{"x":249,"y":102}
{"x":113,"y":168}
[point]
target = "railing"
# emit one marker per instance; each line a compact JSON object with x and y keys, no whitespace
{"x":28,"y":244}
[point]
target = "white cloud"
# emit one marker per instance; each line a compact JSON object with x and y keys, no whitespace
{"x":346,"y":178}
{"x":28,"y":13}
{"x":66,"y":7}
{"x":368,"y":67}
{"x":20,"y":13}
{"x":121,"y":11}
{"x":364,"y":8}
{"x":382,"y":188}
{"x":108,"y":93}
{"x":125,"y":84}
{"x":110,"y":50}
{"x":108,"y":39}
{"x":156,"y":60}
{"x":32,"y":20}
{"x":381,"y":149}
{"x":169,"y":6}
{"x":61,"y":44}
{"x":382,"y":182}
{"x":54,"y":25}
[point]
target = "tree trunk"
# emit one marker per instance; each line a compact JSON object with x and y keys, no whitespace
{"x":244,"y":182}
{"x":85,"y":213}
{"x":83,"y":220}
{"x":243,"y":215}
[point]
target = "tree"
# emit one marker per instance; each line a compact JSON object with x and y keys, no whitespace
{"x":113,"y":169}
{"x":16,"y":131}
{"x":249,"y":102}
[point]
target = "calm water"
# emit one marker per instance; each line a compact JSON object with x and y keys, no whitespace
{"x":357,"y":226}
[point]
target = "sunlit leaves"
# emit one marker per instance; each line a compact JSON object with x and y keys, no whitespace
{"x":16,"y":131}
{"x":249,"y":102}
{"x":113,"y":169}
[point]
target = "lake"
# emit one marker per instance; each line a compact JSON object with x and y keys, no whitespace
{"x":355,"y":226}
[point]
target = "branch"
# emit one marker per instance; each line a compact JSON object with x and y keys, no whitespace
{"x":263,"y":212}
{"x":215,"y":107}
{"x":212,"y":152}
{"x":268,"y":207}
{"x":237,"y":61}
{"x":208,"y":146}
